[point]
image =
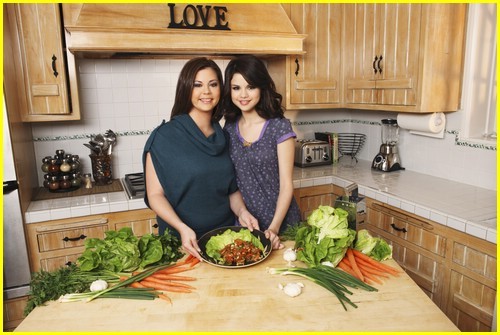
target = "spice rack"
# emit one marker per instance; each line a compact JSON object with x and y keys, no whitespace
{"x":62,"y":172}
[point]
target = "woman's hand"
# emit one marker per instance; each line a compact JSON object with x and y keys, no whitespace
{"x":274,"y":238}
{"x":189,"y":242}
{"x":248,"y":220}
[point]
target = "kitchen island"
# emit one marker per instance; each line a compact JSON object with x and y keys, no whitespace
{"x":248,"y":299}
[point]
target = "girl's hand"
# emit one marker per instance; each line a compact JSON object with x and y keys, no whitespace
{"x":248,"y":220}
{"x":274,"y":238}
{"x":189,"y":242}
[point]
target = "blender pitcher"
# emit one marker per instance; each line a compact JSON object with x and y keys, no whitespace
{"x":388,"y":158}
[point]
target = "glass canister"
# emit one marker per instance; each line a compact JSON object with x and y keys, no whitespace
{"x":101,"y":169}
{"x":87,"y":181}
{"x":390,"y":131}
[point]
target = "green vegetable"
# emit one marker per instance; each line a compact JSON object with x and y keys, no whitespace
{"x":325,"y":237}
{"x":375,"y":247}
{"x":121,"y":251}
{"x":46,"y":286}
{"x":333,"y":279}
{"x":291,"y":231}
{"x":216,"y":243}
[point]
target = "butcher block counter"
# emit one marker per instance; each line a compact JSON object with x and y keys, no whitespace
{"x":248,"y":299}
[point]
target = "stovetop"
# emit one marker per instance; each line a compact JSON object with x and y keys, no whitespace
{"x":133,"y":184}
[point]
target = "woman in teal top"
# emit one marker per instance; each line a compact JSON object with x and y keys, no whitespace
{"x":190,"y":180}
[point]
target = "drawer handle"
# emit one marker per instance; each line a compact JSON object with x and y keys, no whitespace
{"x":81,"y":237}
{"x":54,"y":58}
{"x":398,"y":229}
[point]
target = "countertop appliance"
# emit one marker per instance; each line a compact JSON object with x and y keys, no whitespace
{"x":134,"y":185}
{"x":388,"y":157}
{"x":16,"y":269}
{"x":312,"y":153}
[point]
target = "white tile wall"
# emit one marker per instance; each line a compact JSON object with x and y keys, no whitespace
{"x":135,"y":95}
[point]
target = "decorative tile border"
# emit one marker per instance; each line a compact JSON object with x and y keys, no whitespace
{"x":456,"y":133}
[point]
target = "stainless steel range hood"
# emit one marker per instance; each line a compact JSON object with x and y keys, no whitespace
{"x":216,"y":29}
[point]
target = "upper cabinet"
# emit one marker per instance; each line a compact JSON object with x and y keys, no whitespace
{"x":47,"y":83}
{"x":312,"y":80}
{"x":403,"y":57}
{"x":392,"y":57}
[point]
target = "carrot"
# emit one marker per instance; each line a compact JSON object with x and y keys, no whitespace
{"x":354,"y":266}
{"x":165,"y":276}
{"x":165,"y":297}
{"x":372,"y":270}
{"x":172,"y":270}
{"x":375,"y":263}
{"x":194,"y":262}
{"x":169,"y":283}
{"x":369,"y":276}
{"x":137,"y":285}
{"x":163,"y":287}
{"x":189,"y":258}
{"x":347,"y":268}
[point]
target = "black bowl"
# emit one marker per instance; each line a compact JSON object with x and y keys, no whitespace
{"x":202,"y":243}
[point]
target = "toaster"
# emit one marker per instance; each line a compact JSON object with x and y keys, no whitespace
{"x":312,"y":153}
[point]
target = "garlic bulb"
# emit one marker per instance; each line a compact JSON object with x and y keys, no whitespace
{"x":290,"y":256}
{"x":98,"y":285}
{"x":292,"y":289}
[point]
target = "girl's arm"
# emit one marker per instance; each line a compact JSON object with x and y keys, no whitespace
{"x":162,"y":207}
{"x":240,"y":210}
{"x":286,"y":152}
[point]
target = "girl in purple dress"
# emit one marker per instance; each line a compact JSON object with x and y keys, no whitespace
{"x":261,"y":145}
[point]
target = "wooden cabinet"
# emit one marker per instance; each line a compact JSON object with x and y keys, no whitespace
{"x":53,"y":244}
{"x":403,"y":57}
{"x":456,"y":270}
{"x":309,"y":198}
{"x":391,"y":57}
{"x":48,"y":89}
{"x":312,"y":80}
{"x":13,"y":312}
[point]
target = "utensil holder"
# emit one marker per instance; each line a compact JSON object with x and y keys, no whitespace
{"x":101,"y":169}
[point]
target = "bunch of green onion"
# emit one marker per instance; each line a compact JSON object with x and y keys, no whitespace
{"x":333,"y":279}
{"x":120,"y":290}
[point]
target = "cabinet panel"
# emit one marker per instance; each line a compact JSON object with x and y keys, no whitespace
{"x":309,"y":198}
{"x":69,"y":238}
{"x":382,"y":53}
{"x":40,"y":59}
{"x":315,"y":76}
{"x":139,"y":227}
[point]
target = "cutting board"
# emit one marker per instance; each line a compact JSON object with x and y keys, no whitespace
{"x":249,"y":299}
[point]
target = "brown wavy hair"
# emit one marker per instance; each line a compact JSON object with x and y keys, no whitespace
{"x":255,"y":73}
{"x":185,"y":85}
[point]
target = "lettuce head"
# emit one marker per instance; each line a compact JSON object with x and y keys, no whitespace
{"x":375,"y":247}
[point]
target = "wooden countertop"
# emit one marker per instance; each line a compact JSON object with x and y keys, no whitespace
{"x":248,"y":299}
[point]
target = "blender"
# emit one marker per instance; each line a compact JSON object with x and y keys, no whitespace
{"x":388,"y":158}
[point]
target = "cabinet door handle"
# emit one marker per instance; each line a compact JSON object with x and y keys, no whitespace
{"x":68,"y":263}
{"x":378,"y":64}
{"x":81,"y":237}
{"x":398,"y":229}
{"x":54,"y":58}
{"x":375,"y":61}
{"x":155,"y":225}
{"x":298,"y":67}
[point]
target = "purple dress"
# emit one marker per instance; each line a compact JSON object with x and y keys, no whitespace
{"x":257,"y":172}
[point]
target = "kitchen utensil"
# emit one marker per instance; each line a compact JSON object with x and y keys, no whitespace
{"x":202,"y":243}
{"x":110,"y":137}
{"x":94,"y":149}
{"x":312,"y":153}
{"x":387,"y":159}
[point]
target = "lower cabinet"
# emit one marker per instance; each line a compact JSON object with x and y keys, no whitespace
{"x":309,"y":198}
{"x":456,"y":270}
{"x":52,"y":244}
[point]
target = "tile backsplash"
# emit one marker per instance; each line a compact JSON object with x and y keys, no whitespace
{"x":133,"y":96}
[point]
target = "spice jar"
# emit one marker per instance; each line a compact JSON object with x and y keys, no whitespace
{"x":76,"y":179}
{"x":65,"y":166}
{"x":53,"y":167}
{"x":60,"y":154}
{"x":65,"y":183}
{"x":45,"y":164}
{"x":75,"y":162}
{"x":87,"y":182}
{"x":53,"y":183}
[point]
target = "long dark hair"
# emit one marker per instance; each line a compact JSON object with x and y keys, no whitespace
{"x":255,"y":73}
{"x":185,"y":84}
